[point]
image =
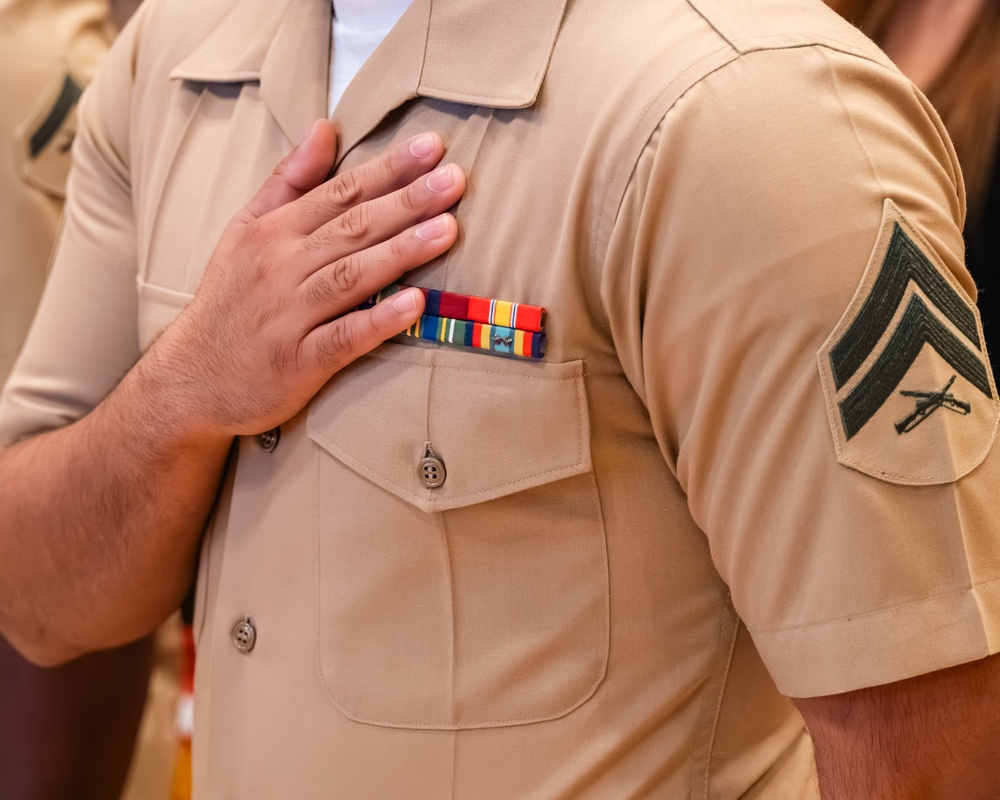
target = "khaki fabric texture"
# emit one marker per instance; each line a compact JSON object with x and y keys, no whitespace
{"x":643,"y":539}
{"x":42,"y":42}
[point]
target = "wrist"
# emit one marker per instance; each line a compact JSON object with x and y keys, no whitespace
{"x":163,"y":402}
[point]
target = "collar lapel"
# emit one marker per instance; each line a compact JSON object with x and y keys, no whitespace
{"x":284,"y":45}
{"x":461,"y":51}
{"x":386,"y":80}
{"x":490,"y":53}
{"x":295,"y":75}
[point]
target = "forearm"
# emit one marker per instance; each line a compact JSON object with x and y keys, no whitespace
{"x":933,"y":737}
{"x":102,"y":521}
{"x":104,"y":516}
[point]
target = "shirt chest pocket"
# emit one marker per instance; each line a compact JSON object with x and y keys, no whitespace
{"x":479,"y":602}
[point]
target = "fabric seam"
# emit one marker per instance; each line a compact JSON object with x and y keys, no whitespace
{"x":878,"y":612}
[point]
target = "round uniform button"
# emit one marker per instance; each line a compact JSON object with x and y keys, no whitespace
{"x":431,"y":471}
{"x":268,"y":440}
{"x":244,"y":635}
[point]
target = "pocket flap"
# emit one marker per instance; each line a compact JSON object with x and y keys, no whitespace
{"x":499,"y":425}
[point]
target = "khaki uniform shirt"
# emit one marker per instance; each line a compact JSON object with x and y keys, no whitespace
{"x":745,"y":227}
{"x":48,"y":52}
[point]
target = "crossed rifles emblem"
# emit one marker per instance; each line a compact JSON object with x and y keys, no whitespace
{"x":937,"y":316}
{"x":928,"y":403}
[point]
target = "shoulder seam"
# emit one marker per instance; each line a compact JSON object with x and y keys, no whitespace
{"x":652,"y":115}
{"x":654,"y":110}
{"x":786,"y":39}
{"x":656,"y":115}
{"x":754,"y":44}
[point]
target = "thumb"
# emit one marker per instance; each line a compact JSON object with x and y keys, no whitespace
{"x":302,"y":170}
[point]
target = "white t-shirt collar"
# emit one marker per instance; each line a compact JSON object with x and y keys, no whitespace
{"x":359,"y":26}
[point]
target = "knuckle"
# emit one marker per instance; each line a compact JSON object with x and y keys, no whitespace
{"x":396,"y":252}
{"x":366,"y":331}
{"x":316,"y":293}
{"x":346,"y":190}
{"x":371,"y":331}
{"x":411,"y":197}
{"x":343,"y":275}
{"x":356,"y":224}
{"x":264,"y":317}
{"x":263,"y":231}
{"x":335,"y":348}
{"x":332,"y":284}
{"x":392,"y":165}
{"x":318,"y":242}
{"x":261,"y":275}
{"x":283,"y":355}
{"x":314,"y":204}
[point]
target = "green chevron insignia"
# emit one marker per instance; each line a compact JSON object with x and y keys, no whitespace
{"x":66,"y":100}
{"x":906,"y":375}
{"x":44,"y":138}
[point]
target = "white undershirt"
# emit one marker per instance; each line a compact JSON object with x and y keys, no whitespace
{"x":359,"y":26}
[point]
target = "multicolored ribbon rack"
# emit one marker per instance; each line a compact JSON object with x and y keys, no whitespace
{"x":480,"y":323}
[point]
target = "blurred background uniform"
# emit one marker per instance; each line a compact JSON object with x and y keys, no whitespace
{"x":951,"y":50}
{"x":68,"y":732}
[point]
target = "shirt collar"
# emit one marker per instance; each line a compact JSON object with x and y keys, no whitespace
{"x":463,"y":51}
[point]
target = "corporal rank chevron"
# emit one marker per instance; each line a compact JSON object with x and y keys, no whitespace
{"x":919,"y":324}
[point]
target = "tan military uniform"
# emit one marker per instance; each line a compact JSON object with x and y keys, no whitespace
{"x":648,"y":536}
{"x":49,"y":51}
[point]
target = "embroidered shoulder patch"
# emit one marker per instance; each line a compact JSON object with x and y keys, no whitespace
{"x":908,"y":385}
{"x":45,"y":138}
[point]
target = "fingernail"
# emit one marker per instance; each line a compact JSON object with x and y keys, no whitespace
{"x":422,"y":146}
{"x":432,"y":229}
{"x":440,"y":179}
{"x":405,"y":301}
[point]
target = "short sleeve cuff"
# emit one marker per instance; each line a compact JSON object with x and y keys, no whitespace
{"x":884,"y":646}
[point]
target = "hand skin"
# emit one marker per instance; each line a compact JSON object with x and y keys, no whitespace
{"x":933,"y":737}
{"x":102,"y":518}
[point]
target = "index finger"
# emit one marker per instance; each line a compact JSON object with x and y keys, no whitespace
{"x":397,"y":167}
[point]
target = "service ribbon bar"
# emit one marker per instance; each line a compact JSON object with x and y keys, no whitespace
{"x":448,"y":305}
{"x":466,"y":333}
